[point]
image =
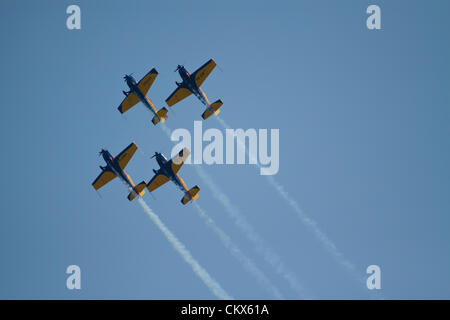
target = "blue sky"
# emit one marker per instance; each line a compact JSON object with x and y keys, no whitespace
{"x":364,"y":135}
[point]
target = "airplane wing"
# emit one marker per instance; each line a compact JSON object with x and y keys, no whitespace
{"x":126,"y":155}
{"x":130,"y":101}
{"x":103,"y":178}
{"x":147,"y":81}
{"x":157,"y":181}
{"x":179,"y":159}
{"x":179,"y":94}
{"x":203,"y":72}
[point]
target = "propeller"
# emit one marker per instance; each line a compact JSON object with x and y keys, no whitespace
{"x":178,"y":68}
{"x":101,"y":152}
{"x":156,"y":153}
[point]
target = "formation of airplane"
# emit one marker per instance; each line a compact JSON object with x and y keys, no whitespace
{"x":168,"y":169}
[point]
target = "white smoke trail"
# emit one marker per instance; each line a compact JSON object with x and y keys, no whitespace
{"x":307,"y":221}
{"x":323,"y":238}
{"x":269,"y":255}
{"x":166,"y":129}
{"x":248,"y":264}
{"x":212,"y":284}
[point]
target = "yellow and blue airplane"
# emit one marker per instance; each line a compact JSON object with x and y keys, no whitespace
{"x":168,"y":170}
{"x":191,"y":84}
{"x":115,"y":168}
{"x":138,"y":92}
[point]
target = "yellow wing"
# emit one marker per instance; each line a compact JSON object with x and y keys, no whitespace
{"x":179,"y":94}
{"x":147,"y":81}
{"x":203,"y":72}
{"x":130,"y":101}
{"x":157,"y":181}
{"x":103,"y":178}
{"x":126,"y":155}
{"x":179,"y":159}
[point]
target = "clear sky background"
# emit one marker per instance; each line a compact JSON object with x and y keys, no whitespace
{"x":364,"y":145}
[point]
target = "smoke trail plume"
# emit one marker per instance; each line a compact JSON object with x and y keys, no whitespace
{"x":269,"y":256}
{"x":307,"y":221}
{"x":166,"y":129}
{"x":212,"y":284}
{"x":248,"y":264}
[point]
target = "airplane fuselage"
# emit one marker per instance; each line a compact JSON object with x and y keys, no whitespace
{"x":165,"y":167}
{"x":189,"y":83}
{"x":113,"y":165}
{"x":132,"y":84}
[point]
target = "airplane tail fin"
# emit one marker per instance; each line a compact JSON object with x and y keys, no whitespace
{"x":140,"y":189}
{"x":162,"y":116}
{"x":215,"y":107}
{"x":190,"y":195}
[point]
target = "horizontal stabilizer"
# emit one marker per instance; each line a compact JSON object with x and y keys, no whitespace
{"x":215,"y":107}
{"x":140,"y":189}
{"x":162,"y":116}
{"x":190,"y":195}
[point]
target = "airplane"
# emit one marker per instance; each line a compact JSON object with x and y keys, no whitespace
{"x":191,"y":84}
{"x":138,"y":92}
{"x":169,"y":171}
{"x":115,"y":168}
